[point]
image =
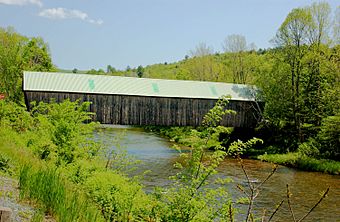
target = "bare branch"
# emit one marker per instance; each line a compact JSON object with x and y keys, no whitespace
{"x":275,"y":211}
{"x":231,"y":218}
{"x":289,"y":204}
{"x":252,"y":191}
{"x":316,"y":204}
{"x":245,"y":173}
{"x":263,"y":215}
{"x":268,"y":177}
{"x":242,"y":190}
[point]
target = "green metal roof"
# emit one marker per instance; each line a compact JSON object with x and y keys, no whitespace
{"x":99,"y":84}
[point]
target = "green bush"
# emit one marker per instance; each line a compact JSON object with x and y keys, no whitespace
{"x":309,"y":148}
{"x":15,"y":116}
{"x":64,"y":132}
{"x":119,"y":198}
{"x":4,"y":163}
{"x":329,"y":137}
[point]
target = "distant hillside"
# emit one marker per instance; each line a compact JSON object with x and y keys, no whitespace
{"x":225,"y":67}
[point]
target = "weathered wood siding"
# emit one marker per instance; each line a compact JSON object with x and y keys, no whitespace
{"x":140,"y":110}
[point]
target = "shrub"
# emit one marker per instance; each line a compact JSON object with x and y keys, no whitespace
{"x":4,"y":163}
{"x":66,"y":136}
{"x":119,"y":198}
{"x":15,"y":116}
{"x":309,"y":148}
{"x":329,"y":137}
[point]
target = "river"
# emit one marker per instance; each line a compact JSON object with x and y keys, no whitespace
{"x":157,"y":156}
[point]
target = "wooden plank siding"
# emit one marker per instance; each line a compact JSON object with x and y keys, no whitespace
{"x":146,"y":110}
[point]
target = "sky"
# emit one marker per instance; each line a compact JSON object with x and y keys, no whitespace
{"x":86,"y":34}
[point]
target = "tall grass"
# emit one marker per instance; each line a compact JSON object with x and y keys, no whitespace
{"x":303,"y":162}
{"x":47,"y":188}
{"x":41,"y":182}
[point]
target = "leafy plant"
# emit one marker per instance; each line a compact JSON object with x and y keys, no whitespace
{"x":118,"y":198}
{"x":63,"y":125}
{"x":5,"y":163}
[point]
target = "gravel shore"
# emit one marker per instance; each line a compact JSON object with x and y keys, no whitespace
{"x":9,"y":197}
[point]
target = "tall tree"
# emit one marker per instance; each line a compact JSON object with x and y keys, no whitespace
{"x":10,"y":62}
{"x":202,"y":65}
{"x":110,"y":69}
{"x":316,"y":72}
{"x":336,"y":26}
{"x":36,"y":55}
{"x":236,"y":45}
{"x":140,"y":71}
{"x":292,"y":37}
{"x":201,"y":50}
{"x":18,"y":53}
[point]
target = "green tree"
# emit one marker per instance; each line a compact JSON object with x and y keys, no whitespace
{"x":140,"y":71}
{"x":292,"y":37}
{"x":36,"y":56}
{"x":203,"y":66}
{"x":336,"y":26}
{"x":329,"y":137}
{"x":11,"y":63}
{"x":110,"y":69}
{"x":236,"y":45}
{"x":19,"y":53}
{"x":300,"y":78}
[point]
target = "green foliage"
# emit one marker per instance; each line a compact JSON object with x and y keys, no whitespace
{"x":119,"y":198}
{"x":303,"y":162}
{"x":15,"y":116}
{"x":184,"y":203}
{"x":97,"y":72}
{"x":140,"y":71}
{"x":66,"y":135}
{"x":329,"y":137}
{"x":36,"y":56}
{"x":237,"y":148}
{"x":309,"y":148}
{"x":215,"y":115}
{"x":178,"y":134}
{"x":47,"y":187}
{"x":18,"y":53}
{"x":189,"y":199}
{"x":301,"y":82}
{"x":117,"y":157}
{"x":4,"y":163}
{"x":59,"y":165}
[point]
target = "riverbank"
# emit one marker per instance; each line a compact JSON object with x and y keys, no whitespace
{"x":299,"y":161}
{"x":21,"y":211}
{"x":62,"y":169}
{"x":158,"y":156}
{"x":183,"y":136}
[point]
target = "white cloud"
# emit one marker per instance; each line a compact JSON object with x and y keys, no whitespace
{"x":21,"y":2}
{"x":63,"y":13}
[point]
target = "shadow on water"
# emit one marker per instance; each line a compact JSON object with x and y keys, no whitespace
{"x":157,"y":156}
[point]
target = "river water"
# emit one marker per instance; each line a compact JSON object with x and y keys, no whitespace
{"x":157,"y":156}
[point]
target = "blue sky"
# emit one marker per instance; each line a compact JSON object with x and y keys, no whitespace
{"x":87,"y":34}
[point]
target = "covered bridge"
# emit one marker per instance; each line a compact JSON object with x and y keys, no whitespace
{"x":143,"y":101}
